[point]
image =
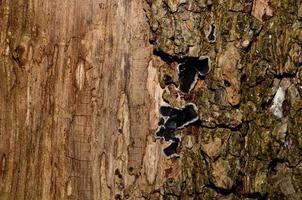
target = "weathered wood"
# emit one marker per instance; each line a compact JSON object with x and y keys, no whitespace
{"x":73,"y":99}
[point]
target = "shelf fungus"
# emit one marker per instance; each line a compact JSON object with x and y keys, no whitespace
{"x":173,"y":119}
{"x":190,"y":70}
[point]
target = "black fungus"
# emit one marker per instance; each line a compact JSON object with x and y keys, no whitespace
{"x":161,"y":121}
{"x":212,"y":34}
{"x":184,"y":117}
{"x":179,"y":118}
{"x":171,"y":124}
{"x":190,"y":70}
{"x":171,"y":120}
{"x":189,"y":115}
{"x":202,"y":65}
{"x":161,"y":131}
{"x":166,"y":57}
{"x":171,"y":150}
{"x":167,"y":111}
{"x":164,"y":133}
{"x":187,"y":77}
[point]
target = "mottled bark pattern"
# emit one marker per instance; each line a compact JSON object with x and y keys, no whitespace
{"x":248,"y":145}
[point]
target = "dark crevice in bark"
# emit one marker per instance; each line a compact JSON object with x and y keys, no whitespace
{"x":223,"y":126}
{"x":236,"y":190}
{"x":274,"y":162}
{"x":179,"y":59}
{"x":166,"y":57}
{"x":220,"y":190}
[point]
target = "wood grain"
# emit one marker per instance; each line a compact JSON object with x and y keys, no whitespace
{"x":74,"y":107}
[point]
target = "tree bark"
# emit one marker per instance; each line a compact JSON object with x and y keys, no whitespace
{"x":81,"y":89}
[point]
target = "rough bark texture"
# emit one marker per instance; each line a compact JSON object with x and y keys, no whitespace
{"x":249,"y":142}
{"x":80,"y":92}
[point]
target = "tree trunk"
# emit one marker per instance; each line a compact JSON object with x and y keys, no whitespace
{"x":81,"y":90}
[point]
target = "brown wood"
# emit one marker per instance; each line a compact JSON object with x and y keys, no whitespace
{"x":74,"y":103}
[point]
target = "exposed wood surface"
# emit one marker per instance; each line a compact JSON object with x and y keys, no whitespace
{"x":74,"y":102}
{"x":261,"y":9}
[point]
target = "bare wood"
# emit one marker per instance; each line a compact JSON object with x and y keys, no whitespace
{"x":73,"y":99}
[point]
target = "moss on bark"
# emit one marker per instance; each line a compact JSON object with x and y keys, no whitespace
{"x":241,"y":150}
